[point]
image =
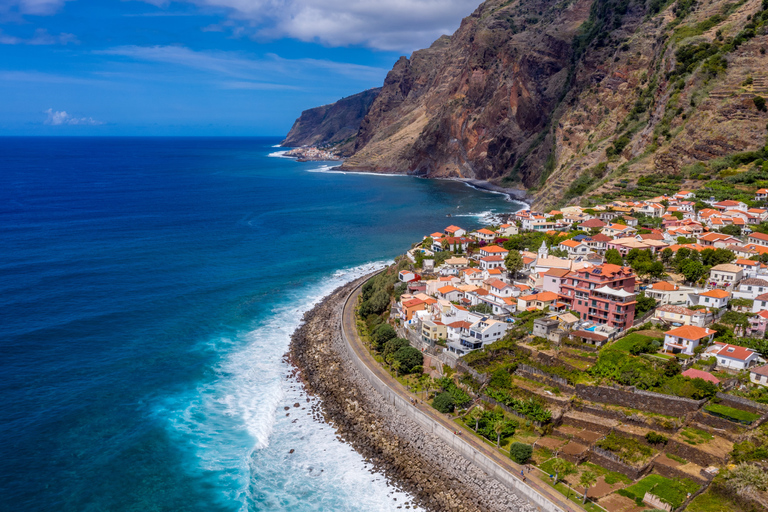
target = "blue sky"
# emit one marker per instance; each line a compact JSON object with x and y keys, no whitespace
{"x":198,"y":67}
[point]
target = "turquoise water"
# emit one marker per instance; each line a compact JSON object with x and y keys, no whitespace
{"x":148,"y":291}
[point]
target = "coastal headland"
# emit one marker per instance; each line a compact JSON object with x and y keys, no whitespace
{"x":416,"y":461}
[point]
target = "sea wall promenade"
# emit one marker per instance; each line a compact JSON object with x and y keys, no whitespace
{"x":413,"y":445}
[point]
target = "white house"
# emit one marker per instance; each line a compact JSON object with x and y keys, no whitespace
{"x":500,"y":288}
{"x":685,"y":339}
{"x":455,"y":330}
{"x":680,"y":315}
{"x":725,"y":274}
{"x":482,"y":332}
{"x":450,"y":293}
{"x":711,"y":299}
{"x":575,"y":248}
{"x":760,"y":303}
{"x":759,"y":375}
{"x":489,"y":262}
{"x":757,"y":238}
{"x":668,"y":293}
{"x":483,"y":235}
{"x":493,"y":250}
{"x":506,"y":230}
{"x":750,"y":288}
{"x":455,"y":231}
{"x":406,"y":276}
{"x":733,"y":356}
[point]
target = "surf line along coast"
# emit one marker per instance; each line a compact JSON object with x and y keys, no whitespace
{"x":440,"y":472}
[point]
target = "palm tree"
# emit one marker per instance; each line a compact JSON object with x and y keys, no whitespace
{"x":476,"y":414}
{"x":499,"y":426}
{"x":587,"y":479}
{"x":396,"y":365}
{"x":561,"y":466}
{"x":389,"y":360}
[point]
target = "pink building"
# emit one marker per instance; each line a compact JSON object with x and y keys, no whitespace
{"x":603,"y":294}
{"x":758,"y":323}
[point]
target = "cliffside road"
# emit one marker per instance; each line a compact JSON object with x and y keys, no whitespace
{"x":349,"y":330}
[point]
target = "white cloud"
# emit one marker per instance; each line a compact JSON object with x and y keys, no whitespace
{"x":41,"y":37}
{"x":32,"y":7}
{"x":256,"y":72}
{"x":60,"y":117}
{"x":402,"y":25}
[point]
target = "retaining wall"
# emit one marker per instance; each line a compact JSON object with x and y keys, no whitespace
{"x":636,"y":399}
{"x":619,"y":467}
{"x":447,"y":436}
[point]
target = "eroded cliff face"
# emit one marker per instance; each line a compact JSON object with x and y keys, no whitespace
{"x":577,"y":97}
{"x":336,"y":123}
{"x":473,"y":104}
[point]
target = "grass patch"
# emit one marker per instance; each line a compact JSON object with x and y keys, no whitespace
{"x":711,"y":501}
{"x":630,"y":450}
{"x":670,"y":491}
{"x":611,"y":477}
{"x":694,"y":436}
{"x":729,"y":413}
{"x":676,"y":458}
{"x":573,"y":496}
{"x":627,"y":342}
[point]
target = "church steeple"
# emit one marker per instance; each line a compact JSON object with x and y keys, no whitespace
{"x":543,"y":250}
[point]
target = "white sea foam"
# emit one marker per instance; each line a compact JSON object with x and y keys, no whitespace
{"x":331,"y":169}
{"x":279,"y":154}
{"x":238,"y":437}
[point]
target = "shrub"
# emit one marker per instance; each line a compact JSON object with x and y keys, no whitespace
{"x":444,"y":402}
{"x":393,"y":345}
{"x":759,"y":103}
{"x":655,"y":438}
{"x":520,"y":452}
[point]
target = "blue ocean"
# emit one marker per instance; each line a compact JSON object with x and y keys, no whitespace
{"x":148,"y":291}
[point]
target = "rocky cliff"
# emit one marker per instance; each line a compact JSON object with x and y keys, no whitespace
{"x":577,"y":98}
{"x":336,"y":123}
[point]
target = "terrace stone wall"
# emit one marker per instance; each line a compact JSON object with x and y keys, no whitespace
{"x":738,"y":402}
{"x":693,"y":454}
{"x":636,"y":399}
{"x":608,"y":462}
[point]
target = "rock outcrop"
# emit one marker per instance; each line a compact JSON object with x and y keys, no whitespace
{"x":538,"y":93}
{"x":337,"y":123}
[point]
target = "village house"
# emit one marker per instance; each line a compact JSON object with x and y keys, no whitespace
{"x":454,"y":231}
{"x":406,"y":276}
{"x":553,"y":278}
{"x":410,"y":307}
{"x":693,"y":373}
{"x":493,"y":250}
{"x":433,"y":331}
{"x":760,"y":303}
{"x":725,"y":274}
{"x":618,"y":230}
{"x":598,"y":243}
{"x":483,"y":332}
{"x":758,"y":239}
{"x":759,"y":374}
{"x":717,"y":240}
{"x":537,"y":301}
{"x":473,"y":276}
{"x":667,"y":293}
{"x":507,"y":230}
{"x":750,"y":288}
{"x":455,"y":330}
{"x":750,"y":268}
{"x":500,"y":288}
{"x":450,"y":293}
{"x":710,"y":299}
{"x":685,"y":339}
{"x":574,"y":248}
{"x":732,"y":357}
{"x":757,"y":324}
{"x":679,"y":315}
{"x":730,"y":205}
{"x":483,"y":235}
{"x":491,"y":262}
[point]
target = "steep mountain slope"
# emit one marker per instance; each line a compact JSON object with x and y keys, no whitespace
{"x":331,"y":124}
{"x":573,"y":98}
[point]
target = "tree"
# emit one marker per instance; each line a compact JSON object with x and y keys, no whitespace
{"x":427,"y":242}
{"x":389,"y":358}
{"x":666,"y":255}
{"x":693,"y":270}
{"x":514,"y":262}
{"x":382,"y":334}
{"x":644,"y":304}
{"x":393,"y":345}
{"x":520,"y":452}
{"x":444,"y":402}
{"x":613,"y":257}
{"x":562,"y":468}
{"x":499,"y":426}
{"x":587,"y":480}
{"x":476,"y":414}
{"x":672,"y":368}
{"x":409,"y":358}
{"x":731,"y":229}
{"x":396,"y":366}
{"x":482,"y":308}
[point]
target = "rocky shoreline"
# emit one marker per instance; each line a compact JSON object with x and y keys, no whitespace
{"x":416,"y":462}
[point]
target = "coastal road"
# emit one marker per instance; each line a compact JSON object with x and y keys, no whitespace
{"x":506,"y":464}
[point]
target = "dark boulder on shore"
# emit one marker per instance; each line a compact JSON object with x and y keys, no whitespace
{"x":419,"y":463}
